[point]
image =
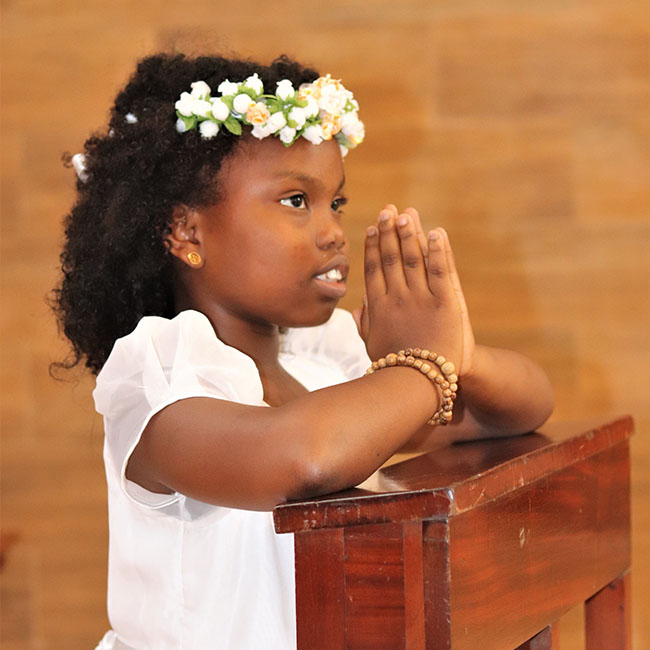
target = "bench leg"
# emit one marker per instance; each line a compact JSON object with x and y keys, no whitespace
{"x":607,"y":617}
{"x":547,"y":639}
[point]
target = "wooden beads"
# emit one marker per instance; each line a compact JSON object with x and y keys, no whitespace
{"x":446,"y":381}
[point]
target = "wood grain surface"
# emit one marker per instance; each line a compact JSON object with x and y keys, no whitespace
{"x":494,"y":575}
{"x":520,"y":126}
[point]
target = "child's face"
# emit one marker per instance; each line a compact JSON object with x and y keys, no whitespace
{"x":277,"y":228}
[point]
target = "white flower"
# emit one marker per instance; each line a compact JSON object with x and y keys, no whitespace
{"x":208,"y":129}
{"x":201,"y":108}
{"x":200,"y":89}
{"x":353,"y":128}
{"x":180,"y":126}
{"x":255,"y":84}
{"x":220,"y":110}
{"x":287,"y":134}
{"x":277,"y":121}
{"x":185,"y":104}
{"x":332,"y":100}
{"x":313,"y":133}
{"x":284,"y":89}
{"x":130,"y":118}
{"x":260,"y":131}
{"x":350,"y":123}
{"x":241,"y":103}
{"x":227,"y":88}
{"x":312,"y":109}
{"x":299,"y":116}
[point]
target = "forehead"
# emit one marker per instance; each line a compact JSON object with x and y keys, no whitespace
{"x":269,"y":160}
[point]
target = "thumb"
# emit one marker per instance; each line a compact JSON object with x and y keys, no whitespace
{"x":360,"y":315}
{"x":356,"y":314}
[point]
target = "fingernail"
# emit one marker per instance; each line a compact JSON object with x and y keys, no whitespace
{"x":433,"y":235}
{"x":371,"y":231}
{"x":384,"y":216}
{"x":403,"y":220}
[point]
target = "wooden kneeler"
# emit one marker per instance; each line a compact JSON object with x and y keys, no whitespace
{"x":480,"y":545}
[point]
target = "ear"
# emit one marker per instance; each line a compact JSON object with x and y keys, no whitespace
{"x":184,"y":240}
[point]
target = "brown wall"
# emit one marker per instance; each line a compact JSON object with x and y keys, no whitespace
{"x":521,"y":126}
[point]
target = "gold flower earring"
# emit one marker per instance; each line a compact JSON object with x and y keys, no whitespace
{"x":194,"y":258}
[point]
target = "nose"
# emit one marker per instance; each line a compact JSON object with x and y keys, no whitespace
{"x":330,"y":233}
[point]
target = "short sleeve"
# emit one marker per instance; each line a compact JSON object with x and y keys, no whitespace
{"x":338,"y":340}
{"x":161,"y":362}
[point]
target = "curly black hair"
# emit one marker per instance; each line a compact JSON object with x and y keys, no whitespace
{"x":115,"y":265}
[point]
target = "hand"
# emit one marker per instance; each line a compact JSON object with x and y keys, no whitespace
{"x":412,"y":301}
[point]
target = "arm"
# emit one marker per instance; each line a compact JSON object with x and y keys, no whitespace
{"x":505,"y":394}
{"x":501,"y":392}
{"x":255,"y":457}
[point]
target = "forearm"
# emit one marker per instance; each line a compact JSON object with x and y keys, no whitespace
{"x":351,"y":429}
{"x":251,"y":457}
{"x":506,"y":393}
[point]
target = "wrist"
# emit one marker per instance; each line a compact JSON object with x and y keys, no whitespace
{"x":438,"y":370}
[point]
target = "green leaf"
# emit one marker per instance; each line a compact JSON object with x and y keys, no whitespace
{"x":233,"y":125}
{"x":228,"y":101}
{"x":273,"y":105}
{"x":190,"y":122}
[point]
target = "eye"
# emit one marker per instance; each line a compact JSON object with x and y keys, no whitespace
{"x":337,"y":204}
{"x":295,"y":201}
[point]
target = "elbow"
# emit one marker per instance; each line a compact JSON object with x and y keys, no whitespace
{"x":320,"y":467}
{"x":313,"y":477}
{"x":545,"y":403}
{"x":540,"y":411}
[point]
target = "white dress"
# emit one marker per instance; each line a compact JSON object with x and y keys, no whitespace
{"x":183,"y":574}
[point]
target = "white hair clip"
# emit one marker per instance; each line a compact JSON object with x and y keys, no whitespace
{"x":79,"y":165}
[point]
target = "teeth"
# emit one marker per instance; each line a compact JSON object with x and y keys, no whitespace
{"x":333,"y":275}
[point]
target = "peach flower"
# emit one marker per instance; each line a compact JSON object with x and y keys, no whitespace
{"x":257,"y":114}
{"x":331,"y":125}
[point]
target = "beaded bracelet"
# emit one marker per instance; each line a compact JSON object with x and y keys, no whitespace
{"x":445,"y":381}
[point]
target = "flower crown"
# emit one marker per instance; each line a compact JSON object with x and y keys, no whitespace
{"x":317,"y":111}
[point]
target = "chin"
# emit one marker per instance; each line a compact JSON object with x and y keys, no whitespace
{"x":311,"y":318}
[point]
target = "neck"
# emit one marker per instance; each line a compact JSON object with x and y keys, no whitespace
{"x":256,"y":339}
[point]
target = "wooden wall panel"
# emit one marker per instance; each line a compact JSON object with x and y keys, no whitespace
{"x":522,"y":127}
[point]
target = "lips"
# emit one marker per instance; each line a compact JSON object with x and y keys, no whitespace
{"x":330,"y":278}
{"x":336,"y":270}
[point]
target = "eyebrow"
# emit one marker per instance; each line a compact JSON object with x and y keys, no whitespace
{"x":305,"y":178}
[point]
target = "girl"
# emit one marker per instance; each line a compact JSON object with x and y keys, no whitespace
{"x":204,"y":260}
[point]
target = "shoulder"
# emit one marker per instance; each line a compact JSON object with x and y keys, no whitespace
{"x":163,"y":359}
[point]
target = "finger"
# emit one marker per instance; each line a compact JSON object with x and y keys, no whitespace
{"x":437,"y":266}
{"x":390,"y":252}
{"x":415,"y":215}
{"x":389,"y":208}
{"x":360,"y":315}
{"x":373,"y":274}
{"x":412,"y":257}
{"x":468,"y":334}
{"x":365,"y":319}
{"x":356,"y":314}
{"x":453,"y":273}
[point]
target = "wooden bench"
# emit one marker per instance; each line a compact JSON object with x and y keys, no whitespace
{"x":474,"y":546}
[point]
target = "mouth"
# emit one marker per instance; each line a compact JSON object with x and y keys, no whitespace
{"x":333,"y":275}
{"x":331,"y":278}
